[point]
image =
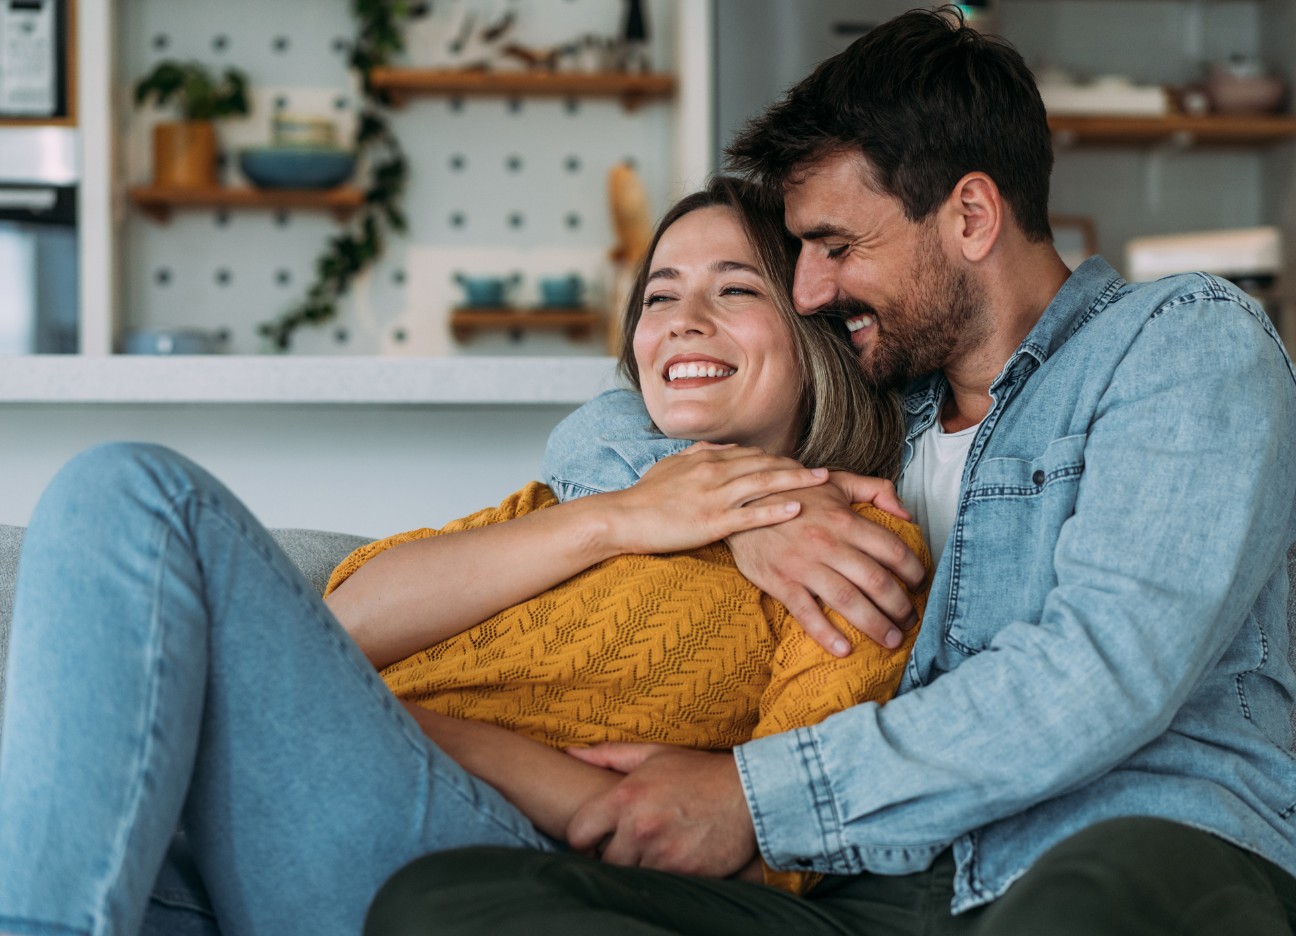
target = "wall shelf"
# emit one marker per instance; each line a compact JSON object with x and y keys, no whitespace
{"x":578,"y":324}
{"x":158,"y":203}
{"x":632,"y":89}
{"x":1175,"y":129}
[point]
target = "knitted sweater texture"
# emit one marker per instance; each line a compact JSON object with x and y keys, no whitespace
{"x":678,"y":649}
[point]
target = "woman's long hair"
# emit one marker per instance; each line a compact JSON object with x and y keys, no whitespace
{"x":846,"y":424}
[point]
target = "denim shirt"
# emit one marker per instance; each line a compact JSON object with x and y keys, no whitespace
{"x":1106,"y":630}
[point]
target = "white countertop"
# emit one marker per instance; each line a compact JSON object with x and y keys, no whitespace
{"x":219,"y":379}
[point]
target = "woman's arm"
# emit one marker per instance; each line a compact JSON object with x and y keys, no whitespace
{"x":547,"y":785}
{"x":543,"y":782}
{"x":421,"y":592}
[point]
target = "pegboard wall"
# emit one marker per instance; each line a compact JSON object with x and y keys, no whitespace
{"x":496,"y":185}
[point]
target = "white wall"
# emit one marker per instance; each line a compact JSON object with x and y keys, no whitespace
{"x":360,"y":469}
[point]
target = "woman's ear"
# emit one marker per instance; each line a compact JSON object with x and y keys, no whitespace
{"x":978,"y":212}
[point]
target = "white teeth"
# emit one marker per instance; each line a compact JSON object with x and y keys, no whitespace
{"x":862,"y":321}
{"x":697,"y":369}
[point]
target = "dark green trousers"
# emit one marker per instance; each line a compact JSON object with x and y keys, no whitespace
{"x":1139,"y":877}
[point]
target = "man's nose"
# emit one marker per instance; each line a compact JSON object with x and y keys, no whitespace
{"x":813,"y":286}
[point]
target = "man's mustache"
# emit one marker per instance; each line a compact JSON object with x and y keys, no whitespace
{"x":845,"y":308}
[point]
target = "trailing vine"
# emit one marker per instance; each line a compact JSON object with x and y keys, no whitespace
{"x":379,"y":39}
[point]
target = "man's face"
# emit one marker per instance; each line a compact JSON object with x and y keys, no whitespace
{"x":909,"y":308}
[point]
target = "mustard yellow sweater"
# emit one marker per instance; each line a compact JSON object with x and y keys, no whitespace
{"x":679,"y":649}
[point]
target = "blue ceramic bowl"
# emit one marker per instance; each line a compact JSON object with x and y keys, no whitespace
{"x":296,"y":167}
{"x":561,"y":291}
{"x":486,"y":291}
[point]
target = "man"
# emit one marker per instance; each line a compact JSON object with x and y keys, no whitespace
{"x":1095,"y":731}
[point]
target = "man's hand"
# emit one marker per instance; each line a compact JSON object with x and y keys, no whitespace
{"x":830,"y":552}
{"x":677,"y":810}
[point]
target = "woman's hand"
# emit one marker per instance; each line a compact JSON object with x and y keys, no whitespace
{"x":703,"y":494}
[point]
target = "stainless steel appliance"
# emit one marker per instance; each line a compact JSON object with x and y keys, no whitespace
{"x":39,"y":296}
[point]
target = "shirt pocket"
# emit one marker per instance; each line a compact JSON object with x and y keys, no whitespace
{"x":1004,"y":539}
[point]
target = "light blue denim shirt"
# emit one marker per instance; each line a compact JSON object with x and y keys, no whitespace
{"x":1106,"y":630}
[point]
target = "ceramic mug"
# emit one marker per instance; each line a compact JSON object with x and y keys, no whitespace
{"x":487,"y":291}
{"x":561,"y":291}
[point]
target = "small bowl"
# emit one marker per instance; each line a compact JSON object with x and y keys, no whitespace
{"x":486,"y":291}
{"x":297,"y":167}
{"x":561,"y":292}
{"x":170,"y":341}
{"x":1232,"y":91}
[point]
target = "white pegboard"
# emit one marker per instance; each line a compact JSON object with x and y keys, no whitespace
{"x":495,"y":183}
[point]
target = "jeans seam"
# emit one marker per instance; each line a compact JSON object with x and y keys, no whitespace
{"x":121,"y":847}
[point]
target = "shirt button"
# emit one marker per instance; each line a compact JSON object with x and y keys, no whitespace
{"x":1038,"y":477}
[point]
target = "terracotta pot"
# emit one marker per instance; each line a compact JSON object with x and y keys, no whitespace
{"x":184,"y":155}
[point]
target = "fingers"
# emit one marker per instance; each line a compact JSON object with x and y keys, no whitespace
{"x":836,"y":558}
{"x":622,"y":757}
{"x":802,"y":606}
{"x":594,"y":823}
{"x":879,"y":492}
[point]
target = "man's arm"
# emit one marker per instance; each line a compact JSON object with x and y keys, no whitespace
{"x":830,"y":552}
{"x":1187,"y":461}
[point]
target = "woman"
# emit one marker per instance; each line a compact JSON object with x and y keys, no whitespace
{"x":168,"y":663}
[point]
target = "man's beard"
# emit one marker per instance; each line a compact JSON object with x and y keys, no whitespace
{"x":942,"y":311}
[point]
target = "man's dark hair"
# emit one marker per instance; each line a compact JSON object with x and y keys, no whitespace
{"x":925,"y":99}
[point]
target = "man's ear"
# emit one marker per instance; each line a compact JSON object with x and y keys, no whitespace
{"x":978,"y":212}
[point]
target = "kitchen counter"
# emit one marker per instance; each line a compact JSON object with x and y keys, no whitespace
{"x":219,"y":379}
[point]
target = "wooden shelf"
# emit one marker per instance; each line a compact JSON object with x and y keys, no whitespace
{"x":1176,"y":129}
{"x":632,"y":89}
{"x":579,"y":324}
{"x":158,"y":203}
{"x":38,"y":122}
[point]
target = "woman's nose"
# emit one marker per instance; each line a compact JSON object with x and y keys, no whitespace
{"x":691,"y":316}
{"x":812,"y":284}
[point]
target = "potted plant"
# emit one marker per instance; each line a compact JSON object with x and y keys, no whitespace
{"x":184,"y":151}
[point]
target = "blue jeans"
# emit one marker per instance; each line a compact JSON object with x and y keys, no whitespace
{"x":170,"y":666}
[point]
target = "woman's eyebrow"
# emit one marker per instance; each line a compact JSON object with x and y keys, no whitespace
{"x":718,"y":266}
{"x":731,"y":266}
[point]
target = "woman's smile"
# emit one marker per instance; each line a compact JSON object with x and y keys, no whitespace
{"x":686,"y":371}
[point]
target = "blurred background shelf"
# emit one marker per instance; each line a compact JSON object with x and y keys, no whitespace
{"x":632,"y":89}
{"x":159,"y":203}
{"x":577,"y":324}
{"x":1211,"y":129}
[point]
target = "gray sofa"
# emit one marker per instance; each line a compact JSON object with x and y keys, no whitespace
{"x":315,"y":552}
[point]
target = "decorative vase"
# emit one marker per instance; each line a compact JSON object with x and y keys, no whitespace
{"x":184,"y":155}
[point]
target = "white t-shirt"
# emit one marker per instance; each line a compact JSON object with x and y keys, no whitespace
{"x":930,"y":484}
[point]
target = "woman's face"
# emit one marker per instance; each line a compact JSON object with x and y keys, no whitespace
{"x":716,"y":361}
